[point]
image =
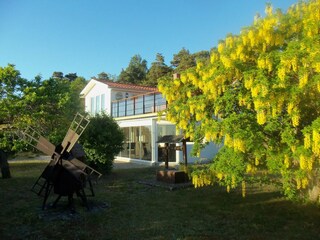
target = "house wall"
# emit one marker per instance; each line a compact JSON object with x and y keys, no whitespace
{"x":98,"y":100}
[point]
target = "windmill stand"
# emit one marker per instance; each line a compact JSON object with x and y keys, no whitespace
{"x":65,"y":174}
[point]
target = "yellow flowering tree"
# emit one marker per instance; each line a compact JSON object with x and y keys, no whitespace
{"x":259,"y":95}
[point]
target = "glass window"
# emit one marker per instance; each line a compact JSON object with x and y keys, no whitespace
{"x":166,"y":129}
{"x":126,"y":145}
{"x":148,"y":103}
{"x":137,"y":143}
{"x":98,"y":104}
{"x":103,"y":102}
{"x":115,"y":109}
{"x":130,"y":107}
{"x":122,"y":108}
{"x":163,"y":153}
{"x":139,"y":105}
{"x":92,"y":109}
{"x":145,"y":141}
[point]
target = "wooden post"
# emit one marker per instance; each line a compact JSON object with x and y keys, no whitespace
{"x":5,"y":170}
{"x":167,"y":155}
{"x":184,"y":152}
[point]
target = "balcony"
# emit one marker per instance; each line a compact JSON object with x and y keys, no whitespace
{"x":137,"y":105}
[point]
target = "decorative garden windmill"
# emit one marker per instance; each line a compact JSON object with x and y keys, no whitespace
{"x":65,"y":174}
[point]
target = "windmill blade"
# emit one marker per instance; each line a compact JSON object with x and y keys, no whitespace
{"x":35,"y":139}
{"x":76,"y":128}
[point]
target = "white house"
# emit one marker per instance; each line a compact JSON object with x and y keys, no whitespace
{"x":136,"y":109}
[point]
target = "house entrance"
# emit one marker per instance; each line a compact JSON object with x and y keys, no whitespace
{"x":137,"y":143}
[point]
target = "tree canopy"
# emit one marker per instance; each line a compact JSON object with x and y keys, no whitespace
{"x":259,"y":95}
{"x":157,"y":70}
{"x":136,"y":71}
{"x":47,"y":105}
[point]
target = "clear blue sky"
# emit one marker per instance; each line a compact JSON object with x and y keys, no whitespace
{"x":91,"y":36}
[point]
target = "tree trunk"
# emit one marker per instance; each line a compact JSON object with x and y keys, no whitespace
{"x":4,"y":165}
{"x":314,"y":188}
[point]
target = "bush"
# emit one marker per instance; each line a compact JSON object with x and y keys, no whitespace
{"x":102,"y":141}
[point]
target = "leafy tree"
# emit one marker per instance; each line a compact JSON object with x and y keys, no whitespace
{"x":201,"y":56}
{"x":71,"y":76}
{"x":103,"y":76}
{"x":259,"y":95}
{"x":136,"y":72}
{"x":183,"y":60}
{"x":11,"y":87}
{"x":102,"y":141}
{"x":57,"y":75}
{"x":157,"y":70}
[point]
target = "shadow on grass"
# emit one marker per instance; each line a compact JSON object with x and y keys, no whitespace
{"x":137,"y":211}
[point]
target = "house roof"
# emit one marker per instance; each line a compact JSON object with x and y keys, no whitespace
{"x":127,"y":86}
{"x":124,"y":86}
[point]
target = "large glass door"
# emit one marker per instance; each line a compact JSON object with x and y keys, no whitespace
{"x":137,"y":143}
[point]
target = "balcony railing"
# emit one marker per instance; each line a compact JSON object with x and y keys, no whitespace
{"x":137,"y":105}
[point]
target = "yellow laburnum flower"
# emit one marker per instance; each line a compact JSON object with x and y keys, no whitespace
{"x":233,"y":182}
{"x":199,"y":65}
{"x":160,"y":88}
{"x":228,"y":140}
{"x":257,"y":161}
{"x":316,"y":67}
{"x":316,"y":142}
{"x":307,"y":141}
{"x":249,"y":168}
{"x":214,"y":57}
{"x":264,"y":91}
{"x":243,"y":186}
{"x":239,"y":145}
{"x":255,"y":91}
{"x":290,"y":107}
{"x":286,"y":161}
{"x":282,"y":74}
{"x":303,"y":162}
{"x":294,"y":64}
{"x":226,"y":61}
{"x":229,"y":41}
{"x":219,"y":176}
{"x":298,"y":183}
{"x":221,"y":47}
{"x":208,"y":136}
{"x":261,"y":63}
{"x":269,"y":65}
{"x":303,"y":80}
{"x":315,"y":136}
{"x":304,"y":182}
{"x":239,"y":50}
{"x":261,"y":117}
{"x":274,"y":111}
{"x":216,"y":111}
{"x":310,"y":163}
{"x":195,"y":181}
{"x":183,"y":78}
{"x":295,"y":120}
{"x":177,"y":82}
{"x":248,"y":82}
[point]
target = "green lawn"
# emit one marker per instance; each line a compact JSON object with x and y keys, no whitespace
{"x":137,"y":211}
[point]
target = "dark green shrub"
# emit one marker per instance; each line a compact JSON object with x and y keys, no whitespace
{"x":102,"y":141}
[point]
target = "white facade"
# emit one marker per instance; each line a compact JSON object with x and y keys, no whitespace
{"x":142,"y":128}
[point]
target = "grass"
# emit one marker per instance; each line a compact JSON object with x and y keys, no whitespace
{"x":138,"y":211}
